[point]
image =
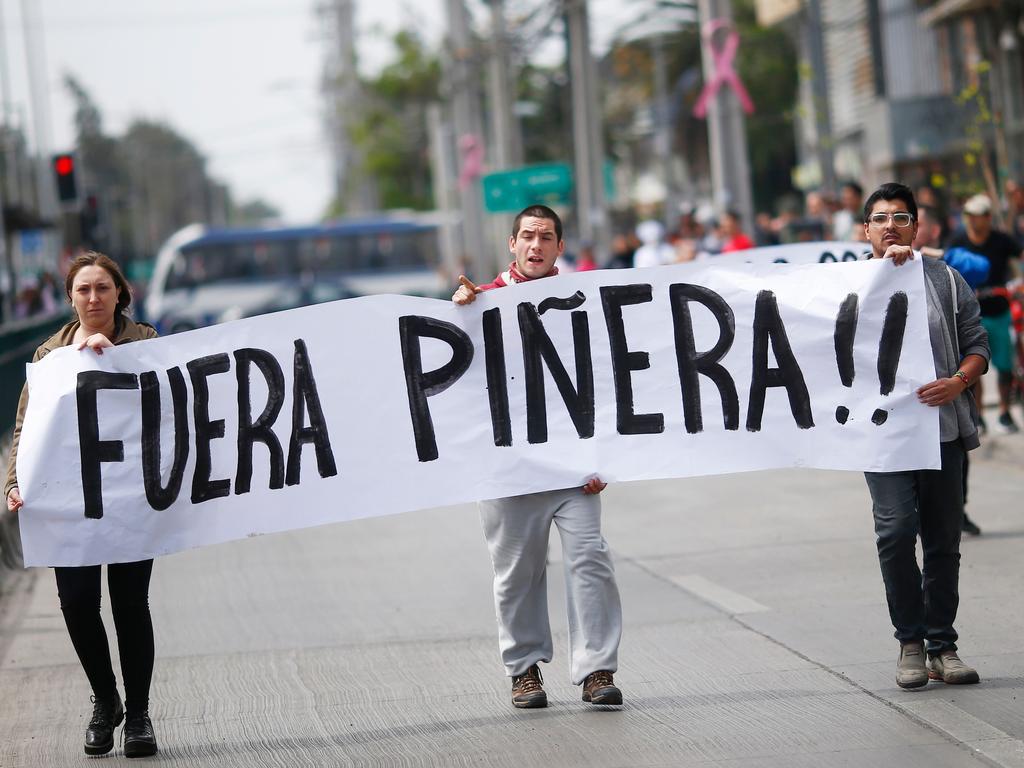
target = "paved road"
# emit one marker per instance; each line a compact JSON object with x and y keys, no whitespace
{"x":756,"y":635}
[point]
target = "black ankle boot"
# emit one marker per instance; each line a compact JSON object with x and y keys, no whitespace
{"x":139,"y":739}
{"x":107,"y":714}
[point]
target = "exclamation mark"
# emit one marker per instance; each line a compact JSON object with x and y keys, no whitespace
{"x":889,"y":348}
{"x":846,"y":331}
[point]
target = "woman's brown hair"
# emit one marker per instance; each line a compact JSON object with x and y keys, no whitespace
{"x":96,"y":259}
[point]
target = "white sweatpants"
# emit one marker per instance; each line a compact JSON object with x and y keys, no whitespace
{"x":517,"y":529}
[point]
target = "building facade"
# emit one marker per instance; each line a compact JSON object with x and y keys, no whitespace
{"x":925,"y":91}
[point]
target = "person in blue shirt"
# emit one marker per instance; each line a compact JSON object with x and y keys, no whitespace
{"x":974,"y":268}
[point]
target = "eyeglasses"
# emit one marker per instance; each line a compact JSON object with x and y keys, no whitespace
{"x":899,"y":219}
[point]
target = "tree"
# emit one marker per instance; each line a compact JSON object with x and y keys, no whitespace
{"x":168,"y":181}
{"x":391,"y":131}
{"x":254,"y":212}
{"x":102,"y":174}
{"x":142,"y":186}
{"x":980,"y":137}
{"x":547,"y":125}
{"x":766,"y":63}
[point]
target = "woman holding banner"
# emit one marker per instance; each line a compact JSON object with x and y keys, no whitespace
{"x":99,"y":295}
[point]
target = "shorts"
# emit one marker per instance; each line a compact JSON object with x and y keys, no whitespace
{"x":999,"y":341}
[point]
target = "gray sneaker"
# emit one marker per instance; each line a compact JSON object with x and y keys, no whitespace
{"x":948,"y":668}
{"x":910,"y":669}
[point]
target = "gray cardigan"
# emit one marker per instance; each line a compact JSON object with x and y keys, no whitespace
{"x":955,"y":333}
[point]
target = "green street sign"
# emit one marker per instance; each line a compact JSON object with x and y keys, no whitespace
{"x":547,"y":183}
{"x":513,"y":190}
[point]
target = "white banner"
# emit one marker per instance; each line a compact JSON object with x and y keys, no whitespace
{"x":386,"y":404}
{"x":828,"y":252}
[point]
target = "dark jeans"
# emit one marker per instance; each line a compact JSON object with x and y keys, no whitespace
{"x":928,"y":503}
{"x":128,"y":583}
{"x":967,"y":466}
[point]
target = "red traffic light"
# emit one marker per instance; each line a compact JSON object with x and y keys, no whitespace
{"x":64,"y":164}
{"x":64,"y":173}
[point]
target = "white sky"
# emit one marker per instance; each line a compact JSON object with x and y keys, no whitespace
{"x":238,"y":78}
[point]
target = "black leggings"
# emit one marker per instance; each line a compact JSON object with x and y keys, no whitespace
{"x":79,"y":591}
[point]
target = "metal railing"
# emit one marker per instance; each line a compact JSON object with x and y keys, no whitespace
{"x":10,"y":534}
{"x":18,"y":341}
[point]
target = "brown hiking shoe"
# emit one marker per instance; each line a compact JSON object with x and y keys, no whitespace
{"x":528,"y":690}
{"x":599,"y":688}
{"x":948,"y":668}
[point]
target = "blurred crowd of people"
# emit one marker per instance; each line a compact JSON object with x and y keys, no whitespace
{"x":38,"y":292}
{"x":701,"y":232}
{"x":40,"y":295}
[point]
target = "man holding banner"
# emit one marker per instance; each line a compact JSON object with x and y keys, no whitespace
{"x":928,"y":503}
{"x":517,"y":530}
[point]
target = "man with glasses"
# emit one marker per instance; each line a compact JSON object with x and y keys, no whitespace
{"x":928,"y":503}
{"x":1002,"y":252}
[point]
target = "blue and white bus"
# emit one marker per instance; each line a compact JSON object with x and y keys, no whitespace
{"x":205,"y":275}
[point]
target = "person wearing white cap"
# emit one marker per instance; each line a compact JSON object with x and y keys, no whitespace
{"x":654,"y":251}
{"x":1003,"y":253}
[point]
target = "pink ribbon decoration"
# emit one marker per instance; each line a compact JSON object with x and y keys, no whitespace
{"x":722,"y":59}
{"x":472,"y":150}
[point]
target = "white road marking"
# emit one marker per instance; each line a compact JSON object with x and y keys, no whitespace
{"x":731,"y":602}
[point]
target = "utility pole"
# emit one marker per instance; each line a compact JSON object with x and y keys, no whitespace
{"x":730,"y":168}
{"x":35,"y":57}
{"x":663,"y":133}
{"x":588,"y":139}
{"x":815,"y":42}
{"x":441,"y":167}
{"x":506,"y":141}
{"x":6,"y":125}
{"x":462,"y":91}
{"x":356,"y":192}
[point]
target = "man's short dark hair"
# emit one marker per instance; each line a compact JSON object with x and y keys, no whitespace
{"x":855,"y":187}
{"x":891,"y":191}
{"x":538,"y":212}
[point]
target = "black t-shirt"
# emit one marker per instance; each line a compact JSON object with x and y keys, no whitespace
{"x":999,"y":248}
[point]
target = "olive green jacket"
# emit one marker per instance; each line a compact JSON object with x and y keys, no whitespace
{"x":127,"y":330}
